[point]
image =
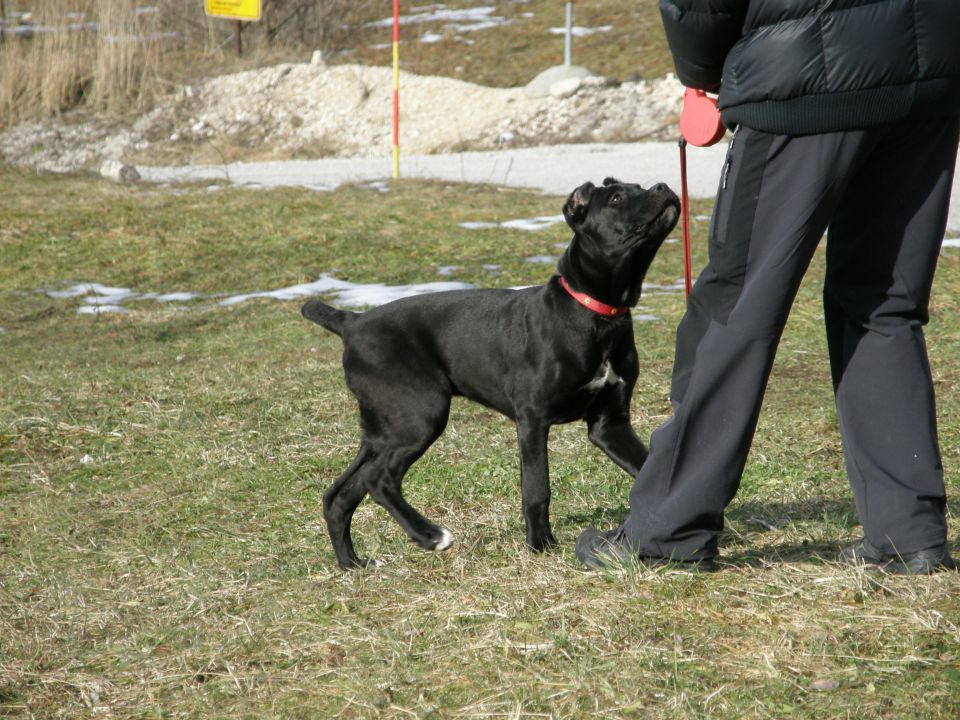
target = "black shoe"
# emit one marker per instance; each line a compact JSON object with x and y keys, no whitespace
{"x":863,"y":552}
{"x":599,"y":550}
{"x":921,"y":562}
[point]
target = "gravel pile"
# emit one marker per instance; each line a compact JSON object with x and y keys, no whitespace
{"x":312,"y":110}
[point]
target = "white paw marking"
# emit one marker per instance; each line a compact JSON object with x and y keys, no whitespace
{"x":446,"y":540}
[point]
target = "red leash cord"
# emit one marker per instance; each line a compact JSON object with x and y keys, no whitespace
{"x":685,"y":220}
{"x":700,"y":125}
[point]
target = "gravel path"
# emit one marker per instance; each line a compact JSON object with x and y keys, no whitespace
{"x":450,"y":130}
{"x":555,"y":169}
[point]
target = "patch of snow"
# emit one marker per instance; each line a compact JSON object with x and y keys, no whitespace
{"x":378,"y":185}
{"x":535,"y":223}
{"x":100,"y":299}
{"x":95,"y":289}
{"x":528,"y":224}
{"x":464,"y":20}
{"x":349,"y":294}
{"x":577,"y":31}
{"x":171,"y":297}
{"x":672,"y":289}
{"x":100,"y":309}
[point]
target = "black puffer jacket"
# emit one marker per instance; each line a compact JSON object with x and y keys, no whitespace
{"x":796,"y":67}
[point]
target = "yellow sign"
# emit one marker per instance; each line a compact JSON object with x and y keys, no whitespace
{"x":234,"y":9}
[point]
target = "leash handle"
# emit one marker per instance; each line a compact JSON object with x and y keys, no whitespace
{"x":685,"y":220}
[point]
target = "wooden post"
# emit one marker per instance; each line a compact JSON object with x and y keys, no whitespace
{"x":236,"y":31}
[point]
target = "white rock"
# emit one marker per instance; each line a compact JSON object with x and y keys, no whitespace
{"x":118,"y":171}
{"x":566,"y":87}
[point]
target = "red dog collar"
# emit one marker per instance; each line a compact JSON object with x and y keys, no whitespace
{"x":601,"y":308}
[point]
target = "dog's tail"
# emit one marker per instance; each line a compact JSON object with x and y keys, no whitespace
{"x":325,"y":316}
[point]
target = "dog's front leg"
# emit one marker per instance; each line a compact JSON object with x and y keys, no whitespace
{"x":609,"y":428}
{"x":535,"y":483}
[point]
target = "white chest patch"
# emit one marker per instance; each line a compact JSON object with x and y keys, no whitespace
{"x":605,"y":376}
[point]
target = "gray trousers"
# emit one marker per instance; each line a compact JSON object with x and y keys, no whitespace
{"x":884,"y":193}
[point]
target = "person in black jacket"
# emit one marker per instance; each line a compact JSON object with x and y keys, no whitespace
{"x":844,"y":114}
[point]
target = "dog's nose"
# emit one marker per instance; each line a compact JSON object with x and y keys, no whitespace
{"x":660,"y":188}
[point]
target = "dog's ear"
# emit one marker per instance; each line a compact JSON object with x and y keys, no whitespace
{"x":611,"y":181}
{"x":575,"y":208}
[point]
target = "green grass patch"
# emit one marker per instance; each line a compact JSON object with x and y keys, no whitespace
{"x":162,"y":550}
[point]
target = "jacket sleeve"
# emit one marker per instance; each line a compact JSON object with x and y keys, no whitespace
{"x":700,"y":34}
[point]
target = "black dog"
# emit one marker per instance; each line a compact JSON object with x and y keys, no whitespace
{"x":541,"y":356}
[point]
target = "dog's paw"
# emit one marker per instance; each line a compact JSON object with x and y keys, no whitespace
{"x":445,"y":541}
{"x":437,"y":541}
{"x":359,"y":563}
{"x":542,"y":543}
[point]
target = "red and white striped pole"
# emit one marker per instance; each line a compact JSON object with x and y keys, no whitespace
{"x":396,"y":88}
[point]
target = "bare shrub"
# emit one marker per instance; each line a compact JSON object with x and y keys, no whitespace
{"x":48,"y":70}
{"x":128,"y":55}
{"x":114,"y":55}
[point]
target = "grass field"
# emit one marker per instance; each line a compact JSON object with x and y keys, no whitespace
{"x":162,"y":550}
{"x":631,"y":46}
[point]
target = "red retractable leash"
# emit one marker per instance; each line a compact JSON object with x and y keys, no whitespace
{"x":700,"y":125}
{"x":685,"y":219}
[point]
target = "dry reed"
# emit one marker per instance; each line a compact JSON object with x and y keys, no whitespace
{"x":116,"y":55}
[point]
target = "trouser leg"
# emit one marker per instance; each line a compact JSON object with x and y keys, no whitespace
{"x":882,"y":251}
{"x":779,"y":194}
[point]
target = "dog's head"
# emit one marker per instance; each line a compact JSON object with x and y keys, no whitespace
{"x":619,"y":214}
{"x":618,"y":228}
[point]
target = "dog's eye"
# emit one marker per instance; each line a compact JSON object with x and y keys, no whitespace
{"x":616,"y":199}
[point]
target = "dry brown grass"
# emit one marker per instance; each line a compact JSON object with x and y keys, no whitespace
{"x":126,"y":67}
{"x":68,"y":61}
{"x":49,"y":71}
{"x":114,"y":55}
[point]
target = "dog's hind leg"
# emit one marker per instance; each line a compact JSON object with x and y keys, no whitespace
{"x":385,"y":489}
{"x":397,"y":443}
{"x":535,"y":483}
{"x":339,"y":503}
